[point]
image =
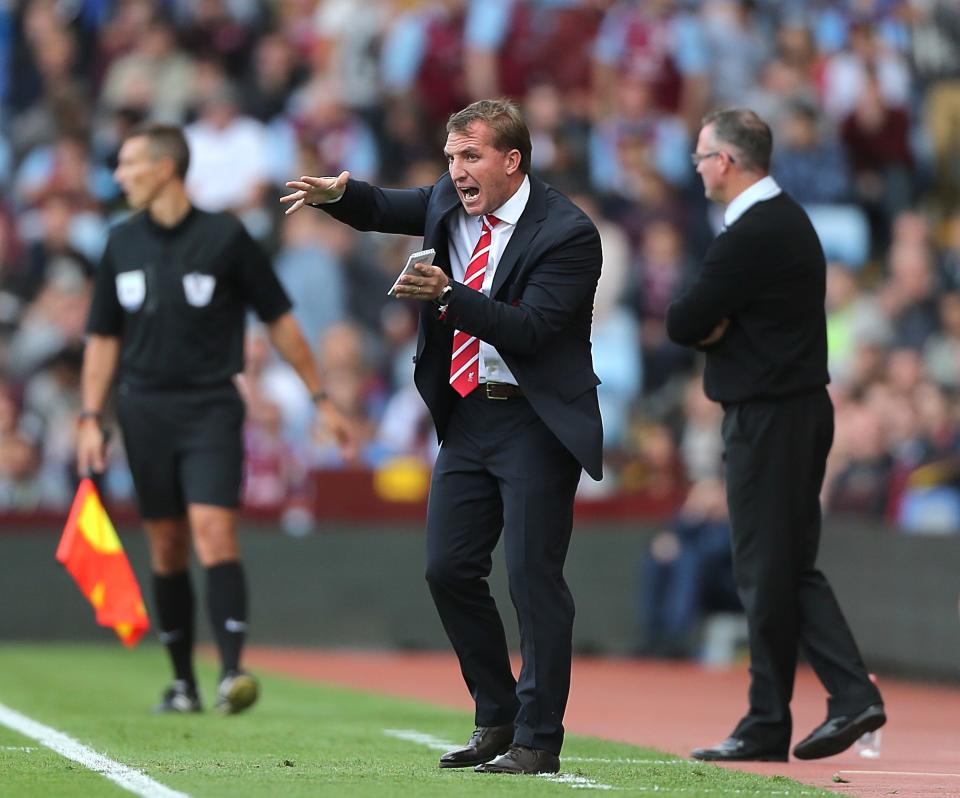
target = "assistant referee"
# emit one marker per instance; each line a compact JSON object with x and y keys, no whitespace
{"x":167,"y":317}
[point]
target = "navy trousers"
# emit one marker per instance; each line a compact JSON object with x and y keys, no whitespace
{"x":500,"y":469}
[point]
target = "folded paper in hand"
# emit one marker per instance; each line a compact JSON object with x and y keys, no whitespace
{"x":424,"y":256}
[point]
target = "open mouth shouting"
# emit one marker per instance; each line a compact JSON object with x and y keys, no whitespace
{"x":469,"y":196}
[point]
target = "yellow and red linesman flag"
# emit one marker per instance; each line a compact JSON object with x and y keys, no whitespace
{"x":91,"y":551}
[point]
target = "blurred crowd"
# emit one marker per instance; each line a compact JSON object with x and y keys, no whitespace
{"x":863,"y":97}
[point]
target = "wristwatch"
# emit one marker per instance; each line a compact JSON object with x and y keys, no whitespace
{"x":444,"y":296}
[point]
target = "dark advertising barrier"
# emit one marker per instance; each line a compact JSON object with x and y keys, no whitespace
{"x":363,"y":586}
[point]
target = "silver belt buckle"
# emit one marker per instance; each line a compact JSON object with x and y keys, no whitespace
{"x":491,"y":396}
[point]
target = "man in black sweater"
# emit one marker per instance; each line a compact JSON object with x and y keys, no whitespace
{"x":757,"y":310}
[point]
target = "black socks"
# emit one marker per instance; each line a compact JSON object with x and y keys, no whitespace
{"x":227,"y":605}
{"x":173,"y":596}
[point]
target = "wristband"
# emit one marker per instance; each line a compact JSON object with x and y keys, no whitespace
{"x":319,"y":396}
{"x":83,"y":415}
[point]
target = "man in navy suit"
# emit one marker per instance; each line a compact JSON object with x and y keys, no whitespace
{"x":504,"y":365}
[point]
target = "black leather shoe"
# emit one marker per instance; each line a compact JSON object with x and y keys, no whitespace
{"x":484,"y":744}
{"x":733,"y":749}
{"x":839,"y":733}
{"x":520,"y":760}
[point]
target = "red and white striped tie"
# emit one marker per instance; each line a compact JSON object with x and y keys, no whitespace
{"x":465,"y":362}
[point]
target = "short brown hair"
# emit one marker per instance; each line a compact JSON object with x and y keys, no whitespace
{"x":747,"y":133}
{"x":504,"y":119}
{"x":165,"y":141}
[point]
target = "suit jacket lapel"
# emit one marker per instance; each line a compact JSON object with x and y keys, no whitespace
{"x":528,"y":225}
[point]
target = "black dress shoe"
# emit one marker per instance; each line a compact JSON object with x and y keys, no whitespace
{"x":733,"y":749}
{"x":839,"y":733}
{"x":484,"y":744}
{"x":521,"y":760}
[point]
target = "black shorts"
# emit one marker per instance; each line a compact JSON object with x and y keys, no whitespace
{"x":183,"y":446}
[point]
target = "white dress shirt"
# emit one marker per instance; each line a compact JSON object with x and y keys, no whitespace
{"x":764,"y":189}
{"x":463,"y":231}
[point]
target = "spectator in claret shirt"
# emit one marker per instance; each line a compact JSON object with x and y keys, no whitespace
{"x":657,"y":43}
{"x":876,"y":139}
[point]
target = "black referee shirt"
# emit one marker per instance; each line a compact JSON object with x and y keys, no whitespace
{"x":177,"y":298}
{"x":767,"y":274}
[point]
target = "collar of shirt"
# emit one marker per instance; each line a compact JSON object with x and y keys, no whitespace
{"x":764,"y":189}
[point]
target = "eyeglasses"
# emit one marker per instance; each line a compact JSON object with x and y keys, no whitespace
{"x":696,"y":157}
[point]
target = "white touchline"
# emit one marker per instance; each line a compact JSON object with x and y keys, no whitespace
{"x":577,"y":782}
{"x":412,"y":736}
{"x":436,"y":744}
{"x":129,"y":779}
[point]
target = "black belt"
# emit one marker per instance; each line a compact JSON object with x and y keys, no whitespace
{"x":500,"y":390}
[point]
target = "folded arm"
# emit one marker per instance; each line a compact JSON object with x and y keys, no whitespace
{"x":701,"y":315}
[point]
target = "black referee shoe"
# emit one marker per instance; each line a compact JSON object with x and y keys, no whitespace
{"x":238,"y":690}
{"x":181,"y":696}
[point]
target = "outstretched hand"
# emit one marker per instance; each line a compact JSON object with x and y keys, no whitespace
{"x":314,"y":191}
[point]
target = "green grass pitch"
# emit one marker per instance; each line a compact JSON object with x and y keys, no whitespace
{"x":302,"y":739}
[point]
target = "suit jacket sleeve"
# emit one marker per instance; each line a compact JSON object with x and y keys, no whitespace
{"x":559,"y":284}
{"x":386,"y":210}
{"x":725,"y":284}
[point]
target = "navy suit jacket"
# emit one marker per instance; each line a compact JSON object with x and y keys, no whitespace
{"x":538,"y":314}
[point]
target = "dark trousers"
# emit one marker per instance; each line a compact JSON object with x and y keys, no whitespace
{"x":501,"y":469}
{"x":776,"y":453}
